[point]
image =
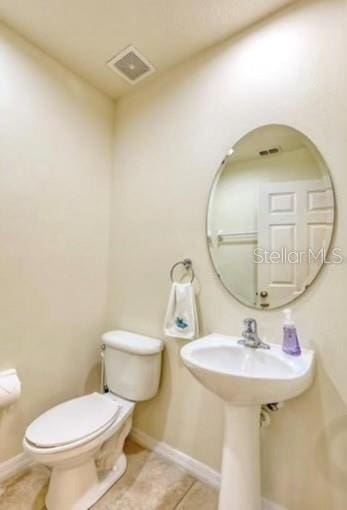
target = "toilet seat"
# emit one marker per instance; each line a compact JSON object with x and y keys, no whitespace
{"x":75,"y":421}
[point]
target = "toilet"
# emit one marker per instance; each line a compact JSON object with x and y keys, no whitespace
{"x":82,"y":440}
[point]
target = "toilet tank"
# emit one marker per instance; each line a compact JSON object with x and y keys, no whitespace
{"x":132,"y":364}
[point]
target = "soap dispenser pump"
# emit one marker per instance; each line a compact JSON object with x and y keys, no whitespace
{"x":290,"y":338}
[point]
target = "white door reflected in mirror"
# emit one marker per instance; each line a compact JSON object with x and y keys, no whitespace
{"x":271,"y":217}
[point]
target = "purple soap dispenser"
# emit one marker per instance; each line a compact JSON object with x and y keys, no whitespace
{"x":290,"y":338}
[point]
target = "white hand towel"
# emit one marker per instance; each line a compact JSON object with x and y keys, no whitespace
{"x":181,"y":319}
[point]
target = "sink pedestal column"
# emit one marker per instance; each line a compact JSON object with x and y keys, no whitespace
{"x":240,"y":485}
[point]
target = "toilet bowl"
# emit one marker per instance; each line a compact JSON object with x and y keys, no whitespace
{"x":82,"y":440}
{"x":67,"y":439}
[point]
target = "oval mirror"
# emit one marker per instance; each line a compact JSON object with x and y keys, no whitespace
{"x":270,"y":217}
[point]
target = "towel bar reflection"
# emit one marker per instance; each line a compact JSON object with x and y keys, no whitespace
{"x":188,"y":266}
{"x":237,"y":237}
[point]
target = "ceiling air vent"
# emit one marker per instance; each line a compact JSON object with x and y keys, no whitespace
{"x":270,"y":152}
{"x":131,"y":65}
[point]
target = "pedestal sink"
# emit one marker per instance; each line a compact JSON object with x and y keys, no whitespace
{"x":245,"y":378}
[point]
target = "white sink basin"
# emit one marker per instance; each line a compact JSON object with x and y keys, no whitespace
{"x":246,"y":376}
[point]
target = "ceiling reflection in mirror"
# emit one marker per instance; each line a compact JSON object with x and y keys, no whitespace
{"x":270,"y":217}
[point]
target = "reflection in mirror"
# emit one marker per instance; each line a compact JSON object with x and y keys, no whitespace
{"x":270,"y":217}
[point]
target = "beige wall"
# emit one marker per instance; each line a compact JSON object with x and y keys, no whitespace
{"x":170,"y":139}
{"x":55,"y":168}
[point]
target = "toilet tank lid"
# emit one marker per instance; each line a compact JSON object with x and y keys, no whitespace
{"x":132,"y":342}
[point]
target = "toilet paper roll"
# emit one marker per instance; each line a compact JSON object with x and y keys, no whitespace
{"x":10,"y":387}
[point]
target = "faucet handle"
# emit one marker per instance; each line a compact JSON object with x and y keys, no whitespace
{"x":250,"y":326}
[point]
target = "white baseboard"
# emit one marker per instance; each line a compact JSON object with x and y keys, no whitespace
{"x":192,"y":466}
{"x":195,"y":468}
{"x":14,"y":466}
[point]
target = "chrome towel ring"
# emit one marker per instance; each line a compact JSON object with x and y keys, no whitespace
{"x":188,"y":266}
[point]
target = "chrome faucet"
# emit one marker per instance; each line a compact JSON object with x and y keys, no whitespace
{"x":250,"y":335}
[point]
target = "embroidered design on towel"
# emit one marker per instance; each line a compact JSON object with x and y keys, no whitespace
{"x":180,"y":323}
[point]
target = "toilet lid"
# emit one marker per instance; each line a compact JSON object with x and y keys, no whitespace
{"x":73,"y":420}
{"x":132,"y":342}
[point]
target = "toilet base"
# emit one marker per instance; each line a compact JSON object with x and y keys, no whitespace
{"x":67,"y":489}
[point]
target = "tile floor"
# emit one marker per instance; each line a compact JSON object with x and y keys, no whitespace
{"x":150,"y":483}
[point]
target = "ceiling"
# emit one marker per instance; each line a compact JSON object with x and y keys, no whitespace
{"x":84,"y":34}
